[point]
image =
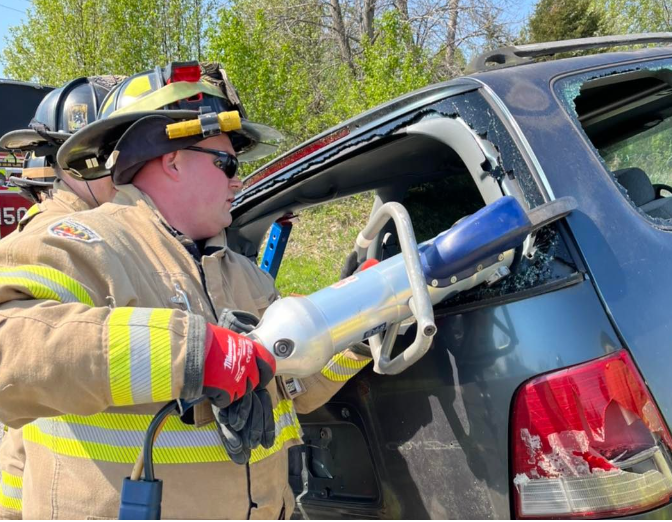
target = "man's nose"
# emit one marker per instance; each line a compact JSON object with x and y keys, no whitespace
{"x":236,"y":184}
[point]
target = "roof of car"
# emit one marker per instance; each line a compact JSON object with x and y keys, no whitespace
{"x":552,"y":68}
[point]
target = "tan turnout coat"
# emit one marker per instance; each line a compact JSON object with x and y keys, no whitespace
{"x":102,"y":320}
{"x":12,"y":454}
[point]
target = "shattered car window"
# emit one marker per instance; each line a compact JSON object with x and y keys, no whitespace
{"x":626,"y":115}
{"x":651,"y":151}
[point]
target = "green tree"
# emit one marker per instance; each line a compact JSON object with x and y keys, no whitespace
{"x":290,"y":73}
{"x":636,"y":16}
{"x":276,"y":69}
{"x":63,"y":39}
{"x":392,"y":65}
{"x":554,"y":20}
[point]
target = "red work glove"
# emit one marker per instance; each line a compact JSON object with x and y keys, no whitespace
{"x":234,"y":365}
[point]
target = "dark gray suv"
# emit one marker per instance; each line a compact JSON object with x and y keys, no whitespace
{"x":548,"y":393}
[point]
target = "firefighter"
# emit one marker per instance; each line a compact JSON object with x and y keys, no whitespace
{"x":124,"y":302}
{"x":62,"y":112}
{"x":69,"y":107}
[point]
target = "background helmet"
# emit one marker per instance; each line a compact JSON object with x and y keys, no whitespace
{"x":36,"y":178}
{"x":60,"y":113}
{"x":180,"y":91}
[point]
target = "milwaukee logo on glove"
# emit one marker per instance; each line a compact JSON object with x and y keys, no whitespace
{"x":234,"y":366}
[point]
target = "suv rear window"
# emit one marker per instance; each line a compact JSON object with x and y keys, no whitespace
{"x":627,"y":116}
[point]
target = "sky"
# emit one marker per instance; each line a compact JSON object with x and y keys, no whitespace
{"x":12,"y":12}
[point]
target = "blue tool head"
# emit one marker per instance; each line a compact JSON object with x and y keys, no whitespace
{"x":475,"y":240}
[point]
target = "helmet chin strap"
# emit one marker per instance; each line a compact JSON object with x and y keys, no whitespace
{"x":87,"y":186}
{"x":92,"y":195}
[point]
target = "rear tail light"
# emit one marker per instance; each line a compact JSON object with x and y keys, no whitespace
{"x":589,"y":442}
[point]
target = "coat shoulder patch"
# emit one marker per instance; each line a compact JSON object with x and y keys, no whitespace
{"x":71,"y":229}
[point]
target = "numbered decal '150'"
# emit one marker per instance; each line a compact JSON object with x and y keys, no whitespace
{"x":12,"y":208}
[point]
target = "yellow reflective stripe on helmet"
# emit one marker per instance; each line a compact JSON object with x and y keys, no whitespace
{"x":137,"y":86}
{"x":11,"y":491}
{"x":45,"y":283}
{"x":140,"y":355}
{"x":341,"y":368}
{"x":169,"y":94}
{"x":118,"y":437}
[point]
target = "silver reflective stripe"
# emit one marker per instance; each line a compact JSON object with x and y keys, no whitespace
{"x":193,"y":437}
{"x":285,"y":420}
{"x":65,"y":295}
{"x":140,"y":354}
{"x":10,"y":491}
{"x":196,"y":437}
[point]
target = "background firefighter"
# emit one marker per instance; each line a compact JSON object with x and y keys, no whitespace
{"x":42,"y":181}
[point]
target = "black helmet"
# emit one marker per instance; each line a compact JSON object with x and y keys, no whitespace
{"x":35,"y":179}
{"x":181,"y":91}
{"x":61,"y":113}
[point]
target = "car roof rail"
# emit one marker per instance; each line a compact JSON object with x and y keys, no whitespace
{"x":520,"y":54}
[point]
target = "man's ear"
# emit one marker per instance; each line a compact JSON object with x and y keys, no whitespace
{"x":168,"y":163}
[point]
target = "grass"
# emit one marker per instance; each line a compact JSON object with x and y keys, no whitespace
{"x":325,"y":234}
{"x":320,"y":242}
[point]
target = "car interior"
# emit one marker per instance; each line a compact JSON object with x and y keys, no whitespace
{"x":628,"y":118}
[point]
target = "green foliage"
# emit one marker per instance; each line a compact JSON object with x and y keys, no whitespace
{"x":650,"y":151}
{"x":64,"y":39}
{"x":554,"y":20}
{"x":273,"y":75}
{"x":392,"y":64}
{"x":636,"y":16}
{"x":287,"y":73}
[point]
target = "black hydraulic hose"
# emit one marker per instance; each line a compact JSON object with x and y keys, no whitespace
{"x":154,"y":429}
{"x":150,"y":436}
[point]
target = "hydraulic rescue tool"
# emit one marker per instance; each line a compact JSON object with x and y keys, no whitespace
{"x":374,"y":305}
{"x":478,"y":249}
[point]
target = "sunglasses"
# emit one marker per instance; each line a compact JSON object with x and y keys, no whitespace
{"x":224,"y":161}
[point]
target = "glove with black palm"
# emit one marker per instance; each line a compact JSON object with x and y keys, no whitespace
{"x":248,"y":422}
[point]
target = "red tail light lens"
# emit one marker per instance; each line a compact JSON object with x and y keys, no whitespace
{"x":185,"y":73}
{"x":589,"y":442}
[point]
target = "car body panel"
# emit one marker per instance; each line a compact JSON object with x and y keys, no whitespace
{"x":626,"y":254}
{"x":438,"y":432}
{"x":434,"y":441}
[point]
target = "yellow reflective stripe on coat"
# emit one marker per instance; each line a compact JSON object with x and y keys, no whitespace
{"x":35,"y":209}
{"x":118,"y":437}
{"x":341,"y":368}
{"x":32,"y":212}
{"x":140,"y":355}
{"x":43,"y":282}
{"x":11,"y":491}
